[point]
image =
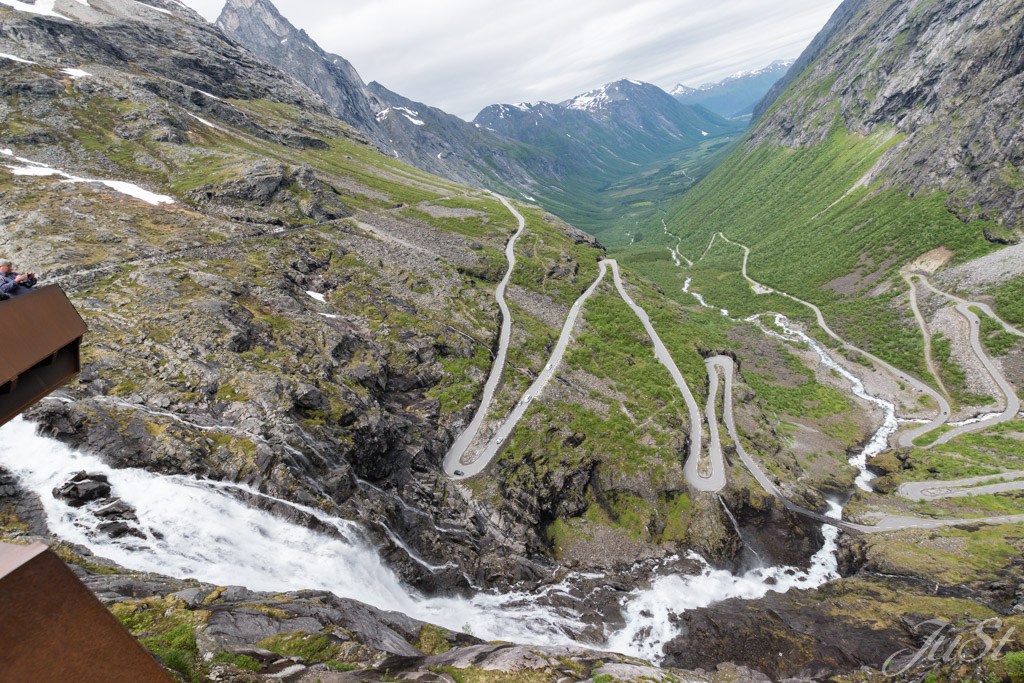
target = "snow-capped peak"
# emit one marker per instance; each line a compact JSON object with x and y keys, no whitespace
{"x":777,"y":65}
{"x":594,"y":100}
{"x":681,"y":89}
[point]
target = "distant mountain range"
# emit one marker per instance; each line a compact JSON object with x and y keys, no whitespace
{"x":538,"y":150}
{"x":736,"y":95}
{"x":621,"y":124}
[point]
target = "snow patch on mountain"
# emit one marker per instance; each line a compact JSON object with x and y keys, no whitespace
{"x":595,"y":100}
{"x":411,"y":115}
{"x":206,"y":123}
{"x":156,"y":9}
{"x":41,"y":170}
{"x":41,"y":7}
{"x":15,"y":59}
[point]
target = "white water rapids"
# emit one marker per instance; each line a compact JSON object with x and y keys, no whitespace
{"x":196,"y":529}
{"x":880,"y":441}
{"x":649,"y":613}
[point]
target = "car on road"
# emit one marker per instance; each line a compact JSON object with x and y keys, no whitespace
{"x":527,"y":399}
{"x":499,"y":440}
{"x":459,"y":473}
{"x":548,"y":366}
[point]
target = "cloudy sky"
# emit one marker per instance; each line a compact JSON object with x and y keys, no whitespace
{"x":462,"y":55}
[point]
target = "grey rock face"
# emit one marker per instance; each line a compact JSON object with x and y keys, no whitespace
{"x":260,"y":27}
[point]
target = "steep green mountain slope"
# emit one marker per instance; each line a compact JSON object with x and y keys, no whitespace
{"x":878,"y":151}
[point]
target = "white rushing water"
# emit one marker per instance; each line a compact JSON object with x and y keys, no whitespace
{"x":700,"y":298}
{"x":649,"y":613}
{"x":880,"y":441}
{"x":197,"y":529}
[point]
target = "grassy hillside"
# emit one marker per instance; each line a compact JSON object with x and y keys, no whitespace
{"x":815,"y":231}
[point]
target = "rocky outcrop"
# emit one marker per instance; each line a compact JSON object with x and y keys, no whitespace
{"x":179,"y":47}
{"x":790,"y":635}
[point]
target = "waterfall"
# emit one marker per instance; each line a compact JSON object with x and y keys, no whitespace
{"x":735,"y":525}
{"x":649,"y":613}
{"x":196,"y":528}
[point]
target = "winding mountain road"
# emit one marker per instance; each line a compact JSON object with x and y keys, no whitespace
{"x":887,"y":523}
{"x":977,"y":304}
{"x":963,"y":307}
{"x":906,"y":440}
{"x":1012,"y":406}
{"x":962,"y":488}
{"x":691,"y":469}
{"x":927,"y":338}
{"x":715,"y":480}
{"x":891,"y":522}
{"x":451,"y":459}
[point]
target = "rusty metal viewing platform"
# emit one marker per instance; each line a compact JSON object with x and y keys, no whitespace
{"x":41,"y":333}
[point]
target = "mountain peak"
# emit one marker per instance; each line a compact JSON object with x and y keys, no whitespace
{"x":599,"y":98}
{"x":735,"y":95}
{"x":681,"y":89}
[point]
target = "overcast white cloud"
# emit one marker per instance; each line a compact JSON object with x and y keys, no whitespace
{"x":462,"y":55}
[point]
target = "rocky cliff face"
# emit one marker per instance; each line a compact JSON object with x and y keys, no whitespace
{"x":258,"y":26}
{"x":945,"y":77}
{"x":272,"y":320}
{"x":295,"y":312}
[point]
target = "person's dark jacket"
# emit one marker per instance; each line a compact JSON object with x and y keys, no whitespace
{"x":9,"y":287}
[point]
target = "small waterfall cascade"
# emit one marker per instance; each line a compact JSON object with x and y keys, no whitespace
{"x":747,"y":547}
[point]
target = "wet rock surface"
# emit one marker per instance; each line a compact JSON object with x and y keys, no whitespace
{"x":117,"y":518}
{"x":83,"y":488}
